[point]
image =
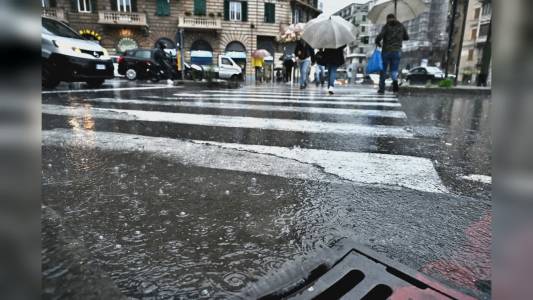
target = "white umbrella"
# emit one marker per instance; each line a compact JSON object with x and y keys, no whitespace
{"x":330,"y":33}
{"x":404,"y":10}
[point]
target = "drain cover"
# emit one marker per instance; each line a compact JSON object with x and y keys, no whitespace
{"x":360,"y":273}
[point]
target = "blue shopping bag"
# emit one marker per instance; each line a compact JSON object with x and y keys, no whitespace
{"x":375,"y":63}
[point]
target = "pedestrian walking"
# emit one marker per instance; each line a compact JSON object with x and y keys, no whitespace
{"x":288,"y":65}
{"x":258,"y":63}
{"x":349,"y":73}
{"x":333,"y":59}
{"x":320,"y":72}
{"x":392,"y":35}
{"x":305,"y":55}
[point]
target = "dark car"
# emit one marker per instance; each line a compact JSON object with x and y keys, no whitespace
{"x":423,"y":75}
{"x":140,"y":64}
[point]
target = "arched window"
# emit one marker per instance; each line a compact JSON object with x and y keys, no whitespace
{"x":201,"y":53}
{"x":201,"y":45}
{"x":166,"y":42}
{"x":235,"y":47}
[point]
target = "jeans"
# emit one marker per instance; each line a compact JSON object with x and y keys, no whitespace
{"x":304,"y":71}
{"x":391,"y":60}
{"x":320,"y":74}
{"x":332,"y":75}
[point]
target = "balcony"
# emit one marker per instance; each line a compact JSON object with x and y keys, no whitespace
{"x":54,"y":13}
{"x":194,"y":22}
{"x":122,"y":18}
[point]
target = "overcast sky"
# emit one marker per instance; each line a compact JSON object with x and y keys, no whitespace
{"x":331,"y":6}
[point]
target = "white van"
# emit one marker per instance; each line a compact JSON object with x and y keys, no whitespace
{"x":226,"y":68}
{"x":66,"y":56}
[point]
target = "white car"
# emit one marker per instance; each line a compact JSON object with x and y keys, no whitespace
{"x":66,"y":56}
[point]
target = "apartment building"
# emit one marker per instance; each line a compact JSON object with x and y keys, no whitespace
{"x":210,"y":27}
{"x":357,"y":52}
{"x":475,"y":36}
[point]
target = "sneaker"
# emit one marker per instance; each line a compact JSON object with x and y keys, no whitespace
{"x":330,"y":90}
{"x":395,"y":86}
{"x":302,"y":87}
{"x":381,"y":92}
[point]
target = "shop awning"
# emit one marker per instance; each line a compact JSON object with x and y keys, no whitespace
{"x":236,"y":54}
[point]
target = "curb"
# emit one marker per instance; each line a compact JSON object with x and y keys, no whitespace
{"x":414,"y":91}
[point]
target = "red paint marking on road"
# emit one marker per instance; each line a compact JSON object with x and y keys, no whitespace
{"x":471,"y":261}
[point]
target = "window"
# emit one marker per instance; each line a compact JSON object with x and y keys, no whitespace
{"x":364,"y":18}
{"x":48,"y":3}
{"x":296,"y":16}
{"x":227,"y":62}
{"x":235,"y":11}
{"x":363,"y":29}
{"x":146,"y":54}
{"x":53,"y":27}
{"x":484,"y":30}
{"x":474,"y":34}
{"x":163,"y":8}
{"x":471,"y":55}
{"x":270,"y":13}
{"x":199,"y":8}
{"x":476,"y":13}
{"x":84,"y":5}
{"x":487,"y":9}
{"x":122,"y":5}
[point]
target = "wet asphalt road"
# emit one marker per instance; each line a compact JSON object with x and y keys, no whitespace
{"x":164,"y":192}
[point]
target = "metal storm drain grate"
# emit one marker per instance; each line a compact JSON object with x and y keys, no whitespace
{"x":363,"y":274}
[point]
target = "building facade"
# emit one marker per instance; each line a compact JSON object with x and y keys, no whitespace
{"x":357,"y":52}
{"x":209,"y":27}
{"x":475,"y":36}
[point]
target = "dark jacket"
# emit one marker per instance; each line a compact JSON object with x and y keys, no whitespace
{"x":303,"y":50}
{"x":392,"y":34}
{"x":334,"y":56}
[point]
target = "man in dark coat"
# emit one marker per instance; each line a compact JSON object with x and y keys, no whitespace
{"x":333,"y":59}
{"x":392,"y":34}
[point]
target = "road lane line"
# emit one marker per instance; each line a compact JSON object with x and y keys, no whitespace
{"x":281,"y":96}
{"x":308,"y":164}
{"x":231,"y":121}
{"x":397,"y":114}
{"x":253,"y":99}
{"x":113,"y":89}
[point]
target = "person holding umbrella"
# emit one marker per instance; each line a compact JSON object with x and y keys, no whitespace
{"x":305,"y":55}
{"x":333,"y":59}
{"x":332,"y":34}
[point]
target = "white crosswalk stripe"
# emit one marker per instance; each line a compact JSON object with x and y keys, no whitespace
{"x":309,"y":164}
{"x":259,"y":99}
{"x":312,"y":110}
{"x":231,"y":121}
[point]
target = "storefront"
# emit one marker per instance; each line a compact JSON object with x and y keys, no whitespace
{"x":91,"y":35}
{"x":201,"y":53}
{"x":237,"y":52}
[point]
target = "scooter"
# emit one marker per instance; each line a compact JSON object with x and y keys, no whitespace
{"x":161,"y":72}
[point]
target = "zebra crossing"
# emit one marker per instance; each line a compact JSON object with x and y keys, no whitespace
{"x":268,"y":130}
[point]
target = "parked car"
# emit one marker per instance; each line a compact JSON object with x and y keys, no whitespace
{"x":139,"y":64}
{"x":423,"y":75}
{"x":67,"y":56}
